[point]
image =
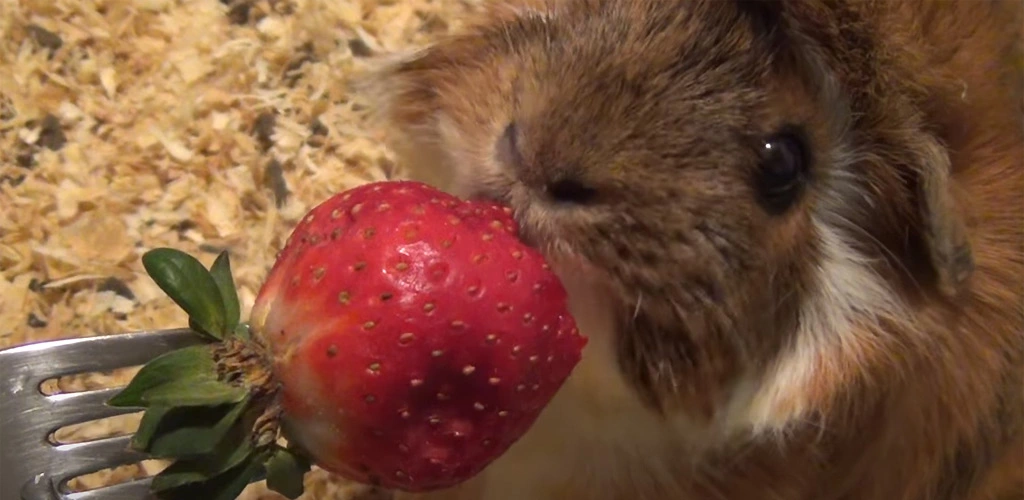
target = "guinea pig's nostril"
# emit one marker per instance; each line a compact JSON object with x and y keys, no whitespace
{"x":571,"y":191}
{"x":508,"y":148}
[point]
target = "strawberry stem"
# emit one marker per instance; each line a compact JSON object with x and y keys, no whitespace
{"x":211,"y":409}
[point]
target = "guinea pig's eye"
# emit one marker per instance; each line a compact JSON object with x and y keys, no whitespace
{"x":782,"y":169}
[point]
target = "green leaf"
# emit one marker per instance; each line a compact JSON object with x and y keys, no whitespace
{"x":242,"y":331}
{"x":285,"y":472}
{"x":227,"y":485}
{"x":196,"y":327}
{"x":221,"y":272}
{"x":191,"y":431}
{"x":228,"y":454}
{"x":148,"y":425}
{"x":183,"y":377}
{"x":196,"y":392}
{"x":184,"y":279}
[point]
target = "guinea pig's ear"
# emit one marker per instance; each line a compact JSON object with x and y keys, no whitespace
{"x":400,"y":94}
{"x":944,"y":224}
{"x":397,"y":87}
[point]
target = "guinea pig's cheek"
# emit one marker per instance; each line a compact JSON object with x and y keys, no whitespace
{"x":474,"y":169}
{"x":577,"y":273}
{"x":568,"y":265}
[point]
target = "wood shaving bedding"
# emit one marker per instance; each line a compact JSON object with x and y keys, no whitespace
{"x":197,"y":124}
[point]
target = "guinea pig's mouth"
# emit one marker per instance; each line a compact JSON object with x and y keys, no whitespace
{"x":540,"y":227}
{"x":543,"y":232}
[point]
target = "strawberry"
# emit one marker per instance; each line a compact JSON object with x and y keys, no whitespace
{"x":403,"y":338}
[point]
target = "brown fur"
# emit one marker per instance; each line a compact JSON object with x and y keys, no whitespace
{"x":914,"y":110}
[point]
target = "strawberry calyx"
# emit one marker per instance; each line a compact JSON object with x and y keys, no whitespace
{"x":211,"y":408}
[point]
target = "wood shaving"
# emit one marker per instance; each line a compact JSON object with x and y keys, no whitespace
{"x":132,"y":124}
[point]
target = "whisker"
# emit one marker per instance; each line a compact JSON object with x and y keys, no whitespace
{"x":639,"y":301}
{"x":857,"y":229}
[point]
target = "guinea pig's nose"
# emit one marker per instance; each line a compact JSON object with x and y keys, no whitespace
{"x":570,"y":191}
{"x":558,"y":186}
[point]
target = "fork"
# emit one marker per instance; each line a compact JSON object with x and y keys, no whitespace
{"x":32,"y":467}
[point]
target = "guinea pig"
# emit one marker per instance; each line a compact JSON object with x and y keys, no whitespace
{"x":792,"y":231}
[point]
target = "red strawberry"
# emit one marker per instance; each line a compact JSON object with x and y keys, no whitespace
{"x":405,"y":337}
{"x":415,"y":337}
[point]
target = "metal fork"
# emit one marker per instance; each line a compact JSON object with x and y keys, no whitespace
{"x":34,"y":468}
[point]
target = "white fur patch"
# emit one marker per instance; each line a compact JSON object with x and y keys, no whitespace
{"x":846,"y":292}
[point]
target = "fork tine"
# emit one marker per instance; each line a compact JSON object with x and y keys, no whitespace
{"x":78,"y":407}
{"x":31,"y":466}
{"x":132,"y":490}
{"x":37,"y":362}
{"x":84,"y":458}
